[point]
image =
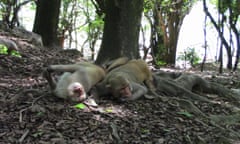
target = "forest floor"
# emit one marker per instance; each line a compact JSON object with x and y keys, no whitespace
{"x":30,"y":114}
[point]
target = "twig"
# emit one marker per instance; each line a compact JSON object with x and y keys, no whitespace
{"x":23,"y":136}
{"x":20,"y":115}
{"x":115,"y":133}
{"x":35,"y":100}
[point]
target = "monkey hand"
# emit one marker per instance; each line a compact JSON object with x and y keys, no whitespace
{"x":49,"y":69}
{"x":90,"y":102}
{"x":137,"y":91}
{"x":46,"y":73}
{"x":149,"y":96}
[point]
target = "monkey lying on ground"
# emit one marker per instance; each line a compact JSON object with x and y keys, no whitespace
{"x":76,"y":81}
{"x":128,"y":81}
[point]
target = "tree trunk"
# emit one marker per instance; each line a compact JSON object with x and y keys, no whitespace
{"x":168,"y":23}
{"x":46,"y":21}
{"x":121,"y":30}
{"x":223,"y":40}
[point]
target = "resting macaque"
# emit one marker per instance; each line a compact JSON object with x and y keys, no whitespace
{"x":76,"y":81}
{"x":128,"y":81}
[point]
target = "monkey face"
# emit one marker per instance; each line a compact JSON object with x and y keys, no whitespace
{"x":76,"y":92}
{"x":125,"y":91}
{"x":121,"y":91}
{"x":123,"y":94}
{"x":120,"y":87}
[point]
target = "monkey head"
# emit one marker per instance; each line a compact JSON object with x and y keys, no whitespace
{"x":120,"y":87}
{"x":76,"y":92}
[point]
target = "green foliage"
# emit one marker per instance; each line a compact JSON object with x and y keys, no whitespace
{"x":160,"y":54}
{"x":148,"y":5}
{"x":15,"y":53}
{"x":32,"y":6}
{"x":189,"y":55}
{"x":224,"y":5}
{"x":161,"y":63}
{"x":9,"y":10}
{"x":165,"y":16}
{"x":93,"y":26}
{"x":80,"y":17}
{"x":80,"y":106}
{"x":109,"y":110}
{"x":4,"y":51}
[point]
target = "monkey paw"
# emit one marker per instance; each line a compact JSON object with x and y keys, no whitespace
{"x":46,"y":73}
{"x":90,"y":102}
{"x":49,"y":69}
{"x":149,"y":96}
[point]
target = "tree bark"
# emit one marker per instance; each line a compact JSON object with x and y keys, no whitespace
{"x":168,"y":21}
{"x":223,"y":40}
{"x":46,"y":21}
{"x":121,"y":30}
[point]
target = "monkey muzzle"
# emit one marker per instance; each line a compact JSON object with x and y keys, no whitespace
{"x":76,"y":92}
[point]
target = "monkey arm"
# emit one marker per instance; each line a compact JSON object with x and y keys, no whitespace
{"x":138,"y":90}
{"x":50,"y":80}
{"x":58,"y":68}
{"x":116,"y":63}
{"x":100,"y":90}
{"x":64,"y":68}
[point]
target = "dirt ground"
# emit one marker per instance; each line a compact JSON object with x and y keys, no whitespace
{"x":29,"y":113}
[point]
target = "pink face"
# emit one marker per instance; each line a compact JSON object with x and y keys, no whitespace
{"x":125,"y":92}
{"x":76,"y":92}
{"x":122,"y":93}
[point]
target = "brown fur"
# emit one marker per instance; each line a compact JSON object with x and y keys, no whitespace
{"x":116,"y":63}
{"x":134,"y":74}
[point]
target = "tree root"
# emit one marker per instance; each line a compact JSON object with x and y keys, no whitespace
{"x":183,"y":84}
{"x":226,"y":119}
{"x":179,"y":90}
{"x":171,"y":88}
{"x":189,"y":107}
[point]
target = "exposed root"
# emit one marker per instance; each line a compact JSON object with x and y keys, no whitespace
{"x":180,"y":89}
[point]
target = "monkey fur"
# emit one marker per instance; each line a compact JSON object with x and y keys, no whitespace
{"x":76,"y":81}
{"x":128,"y":81}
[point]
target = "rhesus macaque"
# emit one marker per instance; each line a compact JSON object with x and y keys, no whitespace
{"x":11,"y":45}
{"x":128,"y":81}
{"x":76,"y":81}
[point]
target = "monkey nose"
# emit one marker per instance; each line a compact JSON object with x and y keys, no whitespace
{"x":77,"y":90}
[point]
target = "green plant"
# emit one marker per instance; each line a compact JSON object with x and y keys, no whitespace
{"x":4,"y":51}
{"x":189,"y":55}
{"x":15,"y":53}
{"x":161,"y":63}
